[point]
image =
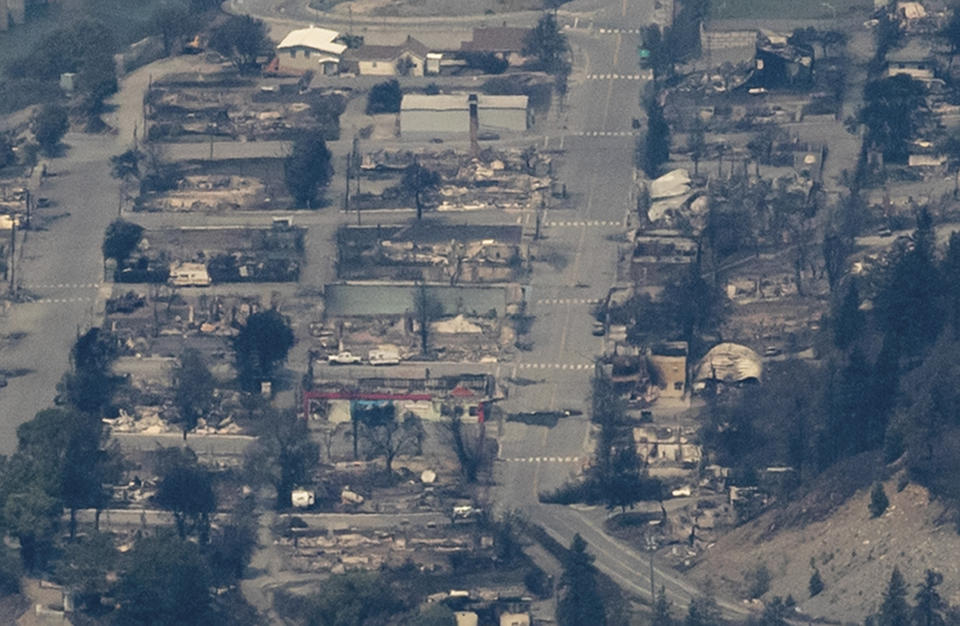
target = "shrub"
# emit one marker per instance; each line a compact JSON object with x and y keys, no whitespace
{"x":121,"y":239}
{"x":758,"y":581}
{"x":49,"y":126}
{"x":538,"y":582}
{"x":384,"y":97}
{"x":486,"y":62}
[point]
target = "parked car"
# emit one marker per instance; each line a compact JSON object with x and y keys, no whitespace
{"x":598,"y":329}
{"x":42,"y":202}
{"x":344,"y":358}
{"x":771,"y":351}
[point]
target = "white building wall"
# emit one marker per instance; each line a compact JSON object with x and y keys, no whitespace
{"x":377,"y":68}
{"x":503,"y":119}
{"x":302,"y":59}
{"x":435,"y":122}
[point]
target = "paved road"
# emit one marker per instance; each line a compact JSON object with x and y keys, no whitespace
{"x":334,"y":521}
{"x":61,"y":268}
{"x":594,"y":129}
{"x":598,"y":171}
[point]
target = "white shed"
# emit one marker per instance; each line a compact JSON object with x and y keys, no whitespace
{"x":450,"y":113}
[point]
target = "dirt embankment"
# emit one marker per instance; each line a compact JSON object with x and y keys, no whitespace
{"x":831,"y":527}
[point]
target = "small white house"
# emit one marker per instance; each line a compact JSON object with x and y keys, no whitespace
{"x":310,"y":48}
{"x":407,"y":59}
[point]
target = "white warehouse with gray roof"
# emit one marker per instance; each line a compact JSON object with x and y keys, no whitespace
{"x":450,"y":114}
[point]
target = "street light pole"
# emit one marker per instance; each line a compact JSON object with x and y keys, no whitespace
{"x":652,"y":548}
{"x":13,"y":256}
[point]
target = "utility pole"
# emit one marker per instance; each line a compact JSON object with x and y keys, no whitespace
{"x":346,"y":196}
{"x":13,"y":256}
{"x":652,"y":548}
{"x":355,"y":168}
{"x":143,"y":108}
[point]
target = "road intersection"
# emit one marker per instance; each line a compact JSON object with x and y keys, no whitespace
{"x":594,"y":131}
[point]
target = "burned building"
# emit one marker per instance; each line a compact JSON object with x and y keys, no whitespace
{"x":660,"y":256}
{"x":781,"y":65}
{"x":336,"y":398}
{"x":432,"y":251}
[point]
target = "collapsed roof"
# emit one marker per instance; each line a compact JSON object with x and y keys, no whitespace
{"x":729,"y":363}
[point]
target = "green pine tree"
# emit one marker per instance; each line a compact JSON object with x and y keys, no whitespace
{"x":878,"y":501}
{"x":703,"y":611}
{"x":848,"y":318}
{"x":580,"y":603}
{"x":894,"y":611}
{"x":661,"y":610}
{"x":929,"y":609}
{"x":816,"y":583}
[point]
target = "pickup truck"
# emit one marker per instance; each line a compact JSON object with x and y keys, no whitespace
{"x":344,"y":358}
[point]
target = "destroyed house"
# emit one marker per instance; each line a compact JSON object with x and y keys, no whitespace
{"x":660,"y":255}
{"x":630,"y":376}
{"x":665,"y":445}
{"x":668,"y":361}
{"x":430,"y":251}
{"x":780,"y":65}
{"x":412,"y":390}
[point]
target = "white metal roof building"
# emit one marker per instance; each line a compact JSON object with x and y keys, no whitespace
{"x":310,"y":48}
{"x":450,"y":113}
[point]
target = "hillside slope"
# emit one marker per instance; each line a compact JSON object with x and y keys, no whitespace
{"x":854,"y":553}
